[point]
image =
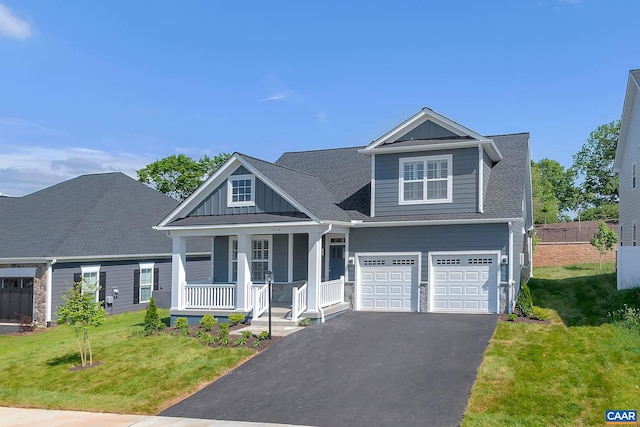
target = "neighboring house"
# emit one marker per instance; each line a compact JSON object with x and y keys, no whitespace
{"x":96,"y":227}
{"x":431,"y":216}
{"x":567,"y":243}
{"x":626,"y":165}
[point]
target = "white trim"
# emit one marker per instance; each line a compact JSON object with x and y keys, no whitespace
{"x":357,"y":291}
{"x":425,"y":180}
{"x":632,"y":87}
{"x":327,"y":252}
{"x":497,"y":254}
{"x":510,"y":264}
{"x":290,"y":257}
{"x":91,"y":269}
{"x":361,"y":224}
{"x":493,"y":152}
{"x":373,"y":186}
{"x":230,"y":180}
{"x":250,"y":259}
{"x":212,"y":270}
{"x":481,"y":179}
{"x":236,"y":226}
{"x":231,"y":261}
{"x":145,"y":266}
{"x":49,"y":290}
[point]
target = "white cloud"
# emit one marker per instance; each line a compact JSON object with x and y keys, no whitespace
{"x":276,"y":97}
{"x":29,"y":169}
{"x":13,"y":27}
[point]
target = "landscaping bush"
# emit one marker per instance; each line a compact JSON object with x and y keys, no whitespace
{"x":207,"y":322}
{"x":628,"y":318}
{"x":205,"y":337}
{"x":223,"y":334}
{"x":183,"y":325}
{"x":512,"y":317}
{"x":524,"y":303}
{"x":539,"y":313}
{"x":236,"y":319}
{"x":242,"y":340}
{"x":152,"y":322}
{"x":304,"y":321}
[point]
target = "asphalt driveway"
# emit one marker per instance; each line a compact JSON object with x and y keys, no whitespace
{"x":7,"y":328}
{"x":359,"y":369}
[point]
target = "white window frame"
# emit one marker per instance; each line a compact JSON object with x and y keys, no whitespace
{"x":268,"y":260}
{"x":230,"y":202}
{"x":633,"y":176}
{"x":634,"y":233}
{"x":425,"y":179}
{"x":89,"y":269}
{"x":233,"y":250}
{"x":145,"y":266}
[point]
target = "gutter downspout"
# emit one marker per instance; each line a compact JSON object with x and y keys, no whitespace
{"x":49,"y":291}
{"x":512,"y":299}
{"x":322,"y":319}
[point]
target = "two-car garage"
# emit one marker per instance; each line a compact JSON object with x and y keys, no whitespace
{"x":458,"y":282}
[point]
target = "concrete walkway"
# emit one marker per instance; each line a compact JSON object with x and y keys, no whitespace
{"x":18,"y":417}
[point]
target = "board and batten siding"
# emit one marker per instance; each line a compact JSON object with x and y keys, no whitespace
{"x":465,"y":175}
{"x":425,"y":239}
{"x":486,"y":172}
{"x":630,"y":197}
{"x":427,"y":130}
{"x":267,"y":201}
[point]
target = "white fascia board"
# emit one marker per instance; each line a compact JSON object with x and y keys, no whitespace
{"x":489,"y":145}
{"x":278,"y":190}
{"x":416,"y":120}
{"x":632,"y":90}
{"x":480,"y":179}
{"x":432,"y":222}
{"x":202,"y":191}
{"x":233,"y":229}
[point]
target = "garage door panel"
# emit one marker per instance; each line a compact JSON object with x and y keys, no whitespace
{"x":472,"y":276}
{"x":440,"y":275}
{"x":455,"y":276}
{"x":388,"y":282}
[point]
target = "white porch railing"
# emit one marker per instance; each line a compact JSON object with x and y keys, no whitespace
{"x":332,"y":292}
{"x":298,"y":301}
{"x":260,"y":299}
{"x":212,"y":296}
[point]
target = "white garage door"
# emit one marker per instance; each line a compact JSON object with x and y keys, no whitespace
{"x":388,"y":283}
{"x":465,"y":283}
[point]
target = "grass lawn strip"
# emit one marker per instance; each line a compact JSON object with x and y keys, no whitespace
{"x":539,"y":375}
{"x":138,"y":375}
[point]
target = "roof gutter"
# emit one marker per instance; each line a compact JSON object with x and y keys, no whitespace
{"x":362,"y":224}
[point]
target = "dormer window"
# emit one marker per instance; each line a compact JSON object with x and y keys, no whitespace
{"x":241,"y":190}
{"x":425,"y":180}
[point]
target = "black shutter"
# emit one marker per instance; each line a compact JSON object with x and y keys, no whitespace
{"x":136,"y":286}
{"x":156,"y":281}
{"x":77,"y":278}
{"x":102,"y":294}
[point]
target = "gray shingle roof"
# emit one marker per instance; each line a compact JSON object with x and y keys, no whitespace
{"x":91,"y":215}
{"x":636,"y":75}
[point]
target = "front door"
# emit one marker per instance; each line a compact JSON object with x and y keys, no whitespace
{"x":336,"y":261}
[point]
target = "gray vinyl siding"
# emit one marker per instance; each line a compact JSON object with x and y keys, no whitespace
{"x":300,"y":256}
{"x":221,"y":259}
{"x":427,"y":130}
{"x":630,"y":197}
{"x":267,"y":201}
{"x":426,"y":239}
{"x":120,"y":276}
{"x":280,"y":256}
{"x":465,"y":175}
{"x":486,"y":173}
{"x":518,"y":248}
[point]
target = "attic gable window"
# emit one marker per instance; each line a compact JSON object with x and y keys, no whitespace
{"x":241,"y":190}
{"x":426,"y":180}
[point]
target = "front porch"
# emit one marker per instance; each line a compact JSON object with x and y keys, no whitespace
{"x":304,"y":267}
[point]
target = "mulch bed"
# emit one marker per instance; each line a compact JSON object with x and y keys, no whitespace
{"x":505,"y":318}
{"x":253,"y":342}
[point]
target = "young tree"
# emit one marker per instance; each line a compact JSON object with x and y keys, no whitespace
{"x":81,"y":310}
{"x":152,"y":322}
{"x":178,"y":175}
{"x":594,"y":164}
{"x":604,"y":240}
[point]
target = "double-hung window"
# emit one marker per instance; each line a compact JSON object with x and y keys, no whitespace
{"x":426,"y":180}
{"x":146,"y":282}
{"x":241,"y":190}
{"x":260,"y":258}
{"x":90,"y":279}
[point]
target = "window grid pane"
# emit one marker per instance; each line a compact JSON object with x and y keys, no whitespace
{"x":241,"y":190}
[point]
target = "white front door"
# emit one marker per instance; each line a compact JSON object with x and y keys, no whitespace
{"x":465,"y":283}
{"x":388,"y":282}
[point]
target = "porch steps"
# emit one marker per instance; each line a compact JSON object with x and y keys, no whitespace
{"x":280,"y":316}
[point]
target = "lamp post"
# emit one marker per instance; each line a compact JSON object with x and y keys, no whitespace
{"x":268,"y":277}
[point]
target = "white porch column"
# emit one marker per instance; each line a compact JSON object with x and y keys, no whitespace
{"x":178,"y":271}
{"x":314,"y":271}
{"x":244,"y":273}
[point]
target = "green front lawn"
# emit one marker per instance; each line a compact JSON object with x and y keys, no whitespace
{"x":139,"y":375}
{"x":566,"y":373}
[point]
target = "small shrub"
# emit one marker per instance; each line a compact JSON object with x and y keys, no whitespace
{"x":627,"y":317}
{"x":152,"y":322}
{"x":236,"y":319}
{"x":207,"y":322}
{"x":26,"y":323}
{"x":242,"y":340}
{"x":183,"y":325}
{"x":539,"y":313}
{"x":524,"y":303}
{"x":246,"y":334}
{"x":223,"y":341}
{"x":205,"y":337}
{"x":512,"y":317}
{"x":304,"y":322}
{"x":223,"y":334}
{"x":263,"y":335}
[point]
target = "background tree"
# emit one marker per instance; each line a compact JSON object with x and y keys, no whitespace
{"x":80,"y":310}
{"x":559,"y":181}
{"x":545,"y":202}
{"x":178,"y":175}
{"x":604,"y":240}
{"x":594,"y":165}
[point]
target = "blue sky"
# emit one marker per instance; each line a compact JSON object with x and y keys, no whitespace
{"x":99,"y":86}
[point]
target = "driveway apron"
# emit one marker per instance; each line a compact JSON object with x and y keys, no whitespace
{"x":359,"y":369}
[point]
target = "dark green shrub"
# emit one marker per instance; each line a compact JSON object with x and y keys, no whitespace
{"x":152,"y":322}
{"x":183,"y":325}
{"x":512,"y":317}
{"x":236,"y":319}
{"x":207,"y":322}
{"x":524,"y":303}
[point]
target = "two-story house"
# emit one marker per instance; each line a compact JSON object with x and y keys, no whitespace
{"x":626,"y":165}
{"x":429,"y":217}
